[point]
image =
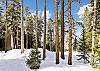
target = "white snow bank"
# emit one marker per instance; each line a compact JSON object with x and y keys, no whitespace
{"x":14,"y":54}
{"x":13,"y":60}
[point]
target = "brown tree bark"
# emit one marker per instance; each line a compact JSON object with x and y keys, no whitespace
{"x":6,"y":29}
{"x":22,"y":30}
{"x":62,"y":29}
{"x":44,"y":44}
{"x":56,"y":31}
{"x":36,"y":23}
{"x":37,"y":27}
{"x":70,"y":33}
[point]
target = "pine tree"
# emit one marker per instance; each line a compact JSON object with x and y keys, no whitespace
{"x":75,"y":44}
{"x":95,"y":62}
{"x":34,"y":59}
{"x":33,"y":62}
{"x":1,"y":27}
{"x":83,"y":49}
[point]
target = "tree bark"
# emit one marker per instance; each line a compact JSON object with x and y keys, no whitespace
{"x":57,"y":32}
{"x":17,"y":37}
{"x":44,"y":45}
{"x":22,"y":30}
{"x":12,"y":42}
{"x":93,"y":32}
{"x":27,"y":40}
{"x":70,"y":33}
{"x":62,"y":29}
{"x":6,"y":29}
{"x":50,"y":34}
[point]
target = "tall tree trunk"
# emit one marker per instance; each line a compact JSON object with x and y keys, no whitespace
{"x":17,"y":37}
{"x":62,"y":29}
{"x":44,"y":44}
{"x":6,"y":29}
{"x":51,"y":41}
{"x":39,"y":30}
{"x":36,"y":23}
{"x":37,"y":26}
{"x":27,"y":40}
{"x":22,"y":29}
{"x":99,"y":40}
{"x":50,"y":38}
{"x":56,"y":31}
{"x":70,"y":33}
{"x":50,"y":34}
{"x":12,"y":42}
{"x":93,"y":32}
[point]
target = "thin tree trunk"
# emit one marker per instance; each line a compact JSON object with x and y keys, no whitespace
{"x":12,"y":42}
{"x":44,"y":44}
{"x":70,"y":33}
{"x":22,"y":30}
{"x":62,"y":29}
{"x":50,"y":40}
{"x":99,"y":40}
{"x":40,"y":28}
{"x":50,"y":34}
{"x":57,"y":32}
{"x":17,"y":38}
{"x":6,"y":29}
{"x":36,"y":23}
{"x":37,"y":26}
{"x":93,"y":33}
{"x":27,"y":40}
{"x":40,"y":31}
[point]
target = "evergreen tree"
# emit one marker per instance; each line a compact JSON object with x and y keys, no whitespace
{"x":49,"y":35}
{"x":83,"y":49}
{"x":34,"y":59}
{"x":33,"y":62}
{"x":75,"y":44}
{"x":96,"y":63}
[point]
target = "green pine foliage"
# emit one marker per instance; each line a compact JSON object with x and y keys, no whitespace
{"x":82,"y":48}
{"x":34,"y":59}
{"x":33,"y":62}
{"x":49,"y":41}
{"x":75,"y":44}
{"x":96,"y":63}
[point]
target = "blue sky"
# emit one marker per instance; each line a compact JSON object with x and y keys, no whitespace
{"x":50,"y":6}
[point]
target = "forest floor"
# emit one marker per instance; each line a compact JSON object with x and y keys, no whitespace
{"x":13,"y":60}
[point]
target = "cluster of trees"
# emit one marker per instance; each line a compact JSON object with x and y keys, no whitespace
{"x":15,"y":19}
{"x":89,"y":42}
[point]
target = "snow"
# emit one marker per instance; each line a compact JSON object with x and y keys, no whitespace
{"x":13,"y":60}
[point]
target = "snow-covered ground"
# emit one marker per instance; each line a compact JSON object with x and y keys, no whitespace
{"x":13,"y":60}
